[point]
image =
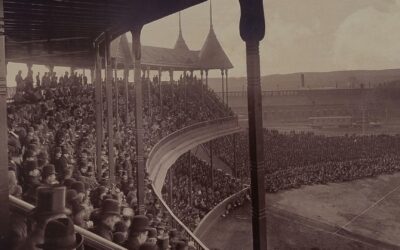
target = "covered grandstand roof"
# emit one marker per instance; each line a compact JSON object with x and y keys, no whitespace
{"x":212,"y":55}
{"x":178,"y":58}
{"x":61,"y":32}
{"x":180,"y":43}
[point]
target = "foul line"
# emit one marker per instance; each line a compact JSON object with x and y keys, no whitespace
{"x":366,"y":210}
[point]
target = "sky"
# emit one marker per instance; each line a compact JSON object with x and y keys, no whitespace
{"x":301,"y":36}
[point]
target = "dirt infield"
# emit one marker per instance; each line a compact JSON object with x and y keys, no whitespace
{"x":362,"y":214}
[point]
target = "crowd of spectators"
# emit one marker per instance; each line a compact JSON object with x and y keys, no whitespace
{"x":209,"y":188}
{"x":296,"y":159}
{"x":52,"y":154}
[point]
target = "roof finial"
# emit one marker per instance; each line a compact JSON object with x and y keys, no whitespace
{"x":211,"y":21}
{"x":180,"y":24}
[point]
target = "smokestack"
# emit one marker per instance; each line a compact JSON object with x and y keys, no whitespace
{"x":302,"y":81}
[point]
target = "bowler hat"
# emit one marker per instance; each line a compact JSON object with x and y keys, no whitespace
{"x":163,"y":243}
{"x":152,"y":233}
{"x":48,"y":170}
{"x":50,"y":201}
{"x":60,"y":234}
{"x":140,"y":223}
{"x":110,"y":207}
{"x":78,"y":186}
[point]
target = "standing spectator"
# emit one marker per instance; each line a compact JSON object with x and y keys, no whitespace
{"x":60,"y":234}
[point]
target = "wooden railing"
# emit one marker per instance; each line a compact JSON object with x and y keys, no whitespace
{"x":89,"y":239}
{"x":171,"y":143}
{"x":211,"y":217}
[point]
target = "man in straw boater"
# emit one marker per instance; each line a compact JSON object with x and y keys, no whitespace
{"x":50,"y":205}
{"x":60,"y":235}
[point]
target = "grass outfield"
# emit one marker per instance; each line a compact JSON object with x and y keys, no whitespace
{"x":362,"y":214}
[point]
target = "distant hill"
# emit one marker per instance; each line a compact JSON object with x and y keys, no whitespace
{"x":340,"y":79}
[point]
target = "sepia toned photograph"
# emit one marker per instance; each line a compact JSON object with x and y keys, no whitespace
{"x":199,"y":125}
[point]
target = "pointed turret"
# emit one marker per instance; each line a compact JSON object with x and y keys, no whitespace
{"x":180,"y":43}
{"x":212,"y":55}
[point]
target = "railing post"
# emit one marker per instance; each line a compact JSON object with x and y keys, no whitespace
{"x":4,"y":206}
{"x":252,"y":31}
{"x":99,"y":110}
{"x":136,"y":49}
{"x":110,"y":118}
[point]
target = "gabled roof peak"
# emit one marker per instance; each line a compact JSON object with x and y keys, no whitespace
{"x":180,"y":43}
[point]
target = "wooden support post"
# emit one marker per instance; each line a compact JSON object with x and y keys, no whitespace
{"x":116,"y":94}
{"x":51,"y":68}
{"x":136,"y":49}
{"x":222,"y":86}
{"x":207,"y":78}
{"x":185,"y":83}
{"x":252,"y":31}
{"x":170,"y":193}
{"x":171,"y":76}
{"x":149,"y":93}
{"x":190,"y":178}
{"x":110,"y":116}
{"x":202,"y":86}
{"x":126,"y":77}
{"x":212,"y":166}
{"x":4,"y":206}
{"x":235,"y":167}
{"x":161,"y":96}
{"x":226,"y":83}
{"x":99,"y":111}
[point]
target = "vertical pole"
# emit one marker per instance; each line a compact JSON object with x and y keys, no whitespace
{"x":171,"y":76}
{"x":161,"y":96}
{"x":185,"y":83}
{"x":202,"y":87}
{"x":99,"y":111}
{"x":222,"y":86}
{"x":4,"y":208}
{"x":51,"y":68}
{"x":116,"y":93}
{"x":110,"y":118}
{"x":136,"y":49}
{"x":252,"y":31}
{"x":126,"y":76}
{"x":207,"y":78}
{"x":171,"y":176}
{"x":234,"y":156}
{"x":212,"y":166}
{"x":226,"y":83}
{"x":190,"y":178}
{"x":149,"y":92}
